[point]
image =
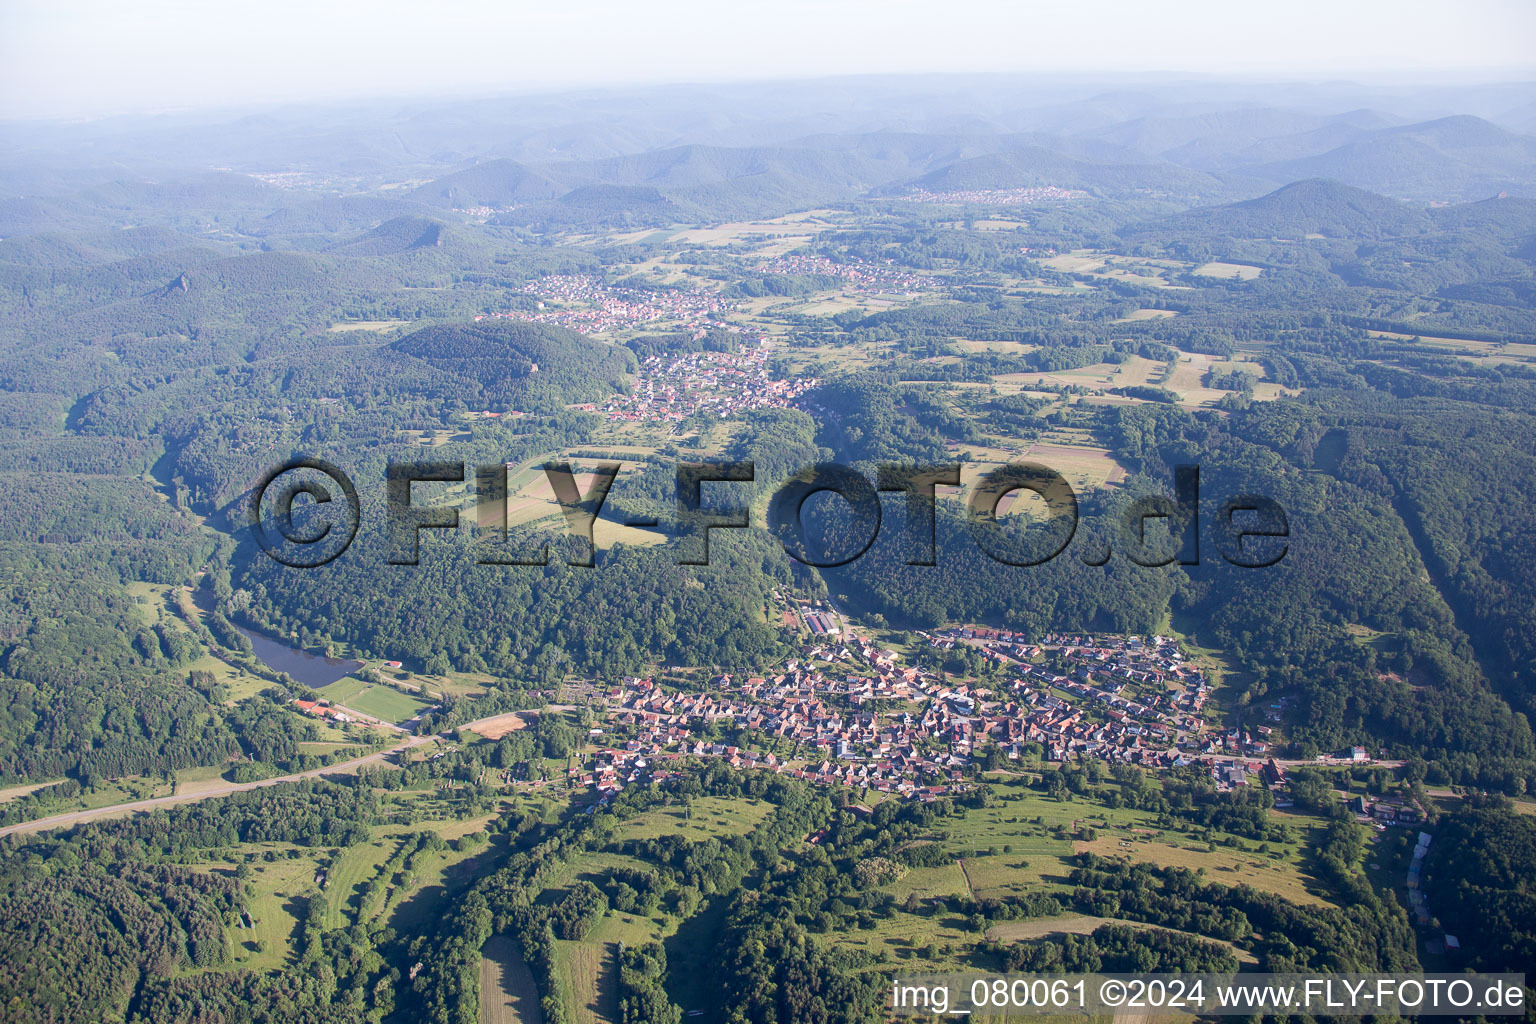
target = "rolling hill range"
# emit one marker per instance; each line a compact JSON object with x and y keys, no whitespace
{"x":1034,"y":166}
{"x":328,"y":217}
{"x":713,"y":182}
{"x":398,"y":235}
{"x":1450,"y":159}
{"x":185,"y":200}
{"x":575,"y":163}
{"x":1478,"y":252}
{"x":1218,"y":139}
{"x":1321,"y":209}
{"x":504,"y":182}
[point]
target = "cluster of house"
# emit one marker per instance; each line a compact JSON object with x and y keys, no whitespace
{"x":592,"y":306}
{"x":319,"y":710}
{"x":858,"y":276}
{"x":996,"y":196}
{"x":611,"y":770}
{"x":1146,"y":701}
{"x":822,"y":719}
{"x":675,"y":386}
{"x":846,"y":712}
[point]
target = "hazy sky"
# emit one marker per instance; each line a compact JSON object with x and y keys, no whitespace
{"x":66,"y":57}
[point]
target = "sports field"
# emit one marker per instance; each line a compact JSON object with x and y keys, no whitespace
{"x":382,"y":702}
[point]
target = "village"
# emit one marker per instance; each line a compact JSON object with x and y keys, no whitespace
{"x":670,"y":386}
{"x":846,"y":712}
{"x":1025,"y":196}
{"x":592,"y":306}
{"x":674,"y":386}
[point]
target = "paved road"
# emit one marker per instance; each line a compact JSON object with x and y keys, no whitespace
{"x":205,"y":791}
{"x":196,"y":791}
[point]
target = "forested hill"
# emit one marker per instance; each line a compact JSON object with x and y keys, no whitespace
{"x":1034,"y":166}
{"x":518,"y":362}
{"x":1322,"y":209}
{"x":493,"y":183}
{"x":398,"y":235}
{"x":1101,"y":283}
{"x":1312,"y":207}
{"x":1459,"y":155}
{"x":1319,"y":233}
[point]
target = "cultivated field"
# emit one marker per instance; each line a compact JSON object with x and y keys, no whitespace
{"x":1085,"y":466}
{"x":366,"y":325}
{"x":501,"y":725}
{"x":531,"y":499}
{"x":1272,"y":875}
{"x":707,"y":816}
{"x":1105,"y":266}
{"x":1493,"y":352}
{"x":1185,"y":377}
{"x":1228,"y":271}
{"x":507,"y":992}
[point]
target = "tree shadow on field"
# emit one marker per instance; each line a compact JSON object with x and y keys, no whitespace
{"x":693,"y":955}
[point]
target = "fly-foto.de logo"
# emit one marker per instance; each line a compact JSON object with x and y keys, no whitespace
{"x":306,"y":513}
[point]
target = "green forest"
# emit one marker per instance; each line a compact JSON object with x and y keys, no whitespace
{"x":526,"y":777}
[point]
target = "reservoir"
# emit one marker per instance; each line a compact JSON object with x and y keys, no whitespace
{"x":313,"y":670}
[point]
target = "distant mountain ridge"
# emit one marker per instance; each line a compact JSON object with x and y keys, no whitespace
{"x":669,"y":155}
{"x":1456,"y":158}
{"x":714,"y":182}
{"x":1033,"y":166}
